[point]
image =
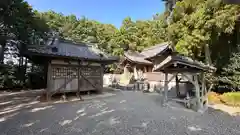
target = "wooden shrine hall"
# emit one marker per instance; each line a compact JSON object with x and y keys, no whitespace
{"x":144,"y":61}
{"x":70,"y":66}
{"x":163,"y":59}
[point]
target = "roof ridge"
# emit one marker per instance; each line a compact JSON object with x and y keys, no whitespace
{"x":73,"y":42}
{"x":155,"y":46}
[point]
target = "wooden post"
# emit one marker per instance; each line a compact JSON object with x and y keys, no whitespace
{"x":204,"y":95}
{"x":79,"y":80}
{"x":101,"y":79}
{"x":135,"y":73}
{"x":177,"y":85}
{"x":145,"y":69}
{"x":165,"y":89}
{"x":196,"y":84}
{"x":49,"y":81}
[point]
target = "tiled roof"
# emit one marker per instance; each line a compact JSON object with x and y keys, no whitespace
{"x":188,"y":60}
{"x":146,"y":53}
{"x":184,"y":61}
{"x":136,"y":57}
{"x":70,"y":49}
{"x":155,"y":50}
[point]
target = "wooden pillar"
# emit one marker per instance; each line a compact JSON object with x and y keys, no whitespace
{"x":145,"y":69}
{"x":177,"y":85}
{"x":79,"y":80}
{"x":165,"y":89}
{"x":204,"y":92}
{"x":135,"y":73}
{"x":101,"y":79}
{"x":49,"y":81}
{"x":197,"y":94}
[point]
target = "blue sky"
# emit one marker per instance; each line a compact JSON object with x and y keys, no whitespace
{"x":105,"y":11}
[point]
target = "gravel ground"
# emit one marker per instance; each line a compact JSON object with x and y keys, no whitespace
{"x":126,"y":113}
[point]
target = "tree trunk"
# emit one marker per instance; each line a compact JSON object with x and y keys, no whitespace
{"x":2,"y":50}
{"x":207,"y":55}
{"x":24,"y":72}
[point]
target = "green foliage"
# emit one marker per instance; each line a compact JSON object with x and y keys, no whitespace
{"x":19,"y":26}
{"x":230,"y":74}
{"x":231,"y":98}
{"x":137,"y":35}
{"x":9,"y":76}
{"x":200,"y":22}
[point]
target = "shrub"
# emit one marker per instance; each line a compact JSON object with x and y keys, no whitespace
{"x":231,"y":98}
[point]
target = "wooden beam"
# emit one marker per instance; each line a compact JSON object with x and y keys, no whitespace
{"x":165,"y":89}
{"x":79,"y":80}
{"x":135,"y":72}
{"x":78,"y":70}
{"x":101,"y":79}
{"x":145,"y":69}
{"x":204,"y":92}
{"x":196,"y":84}
{"x":199,"y":67}
{"x":189,"y":79}
{"x":163,"y":64}
{"x":49,"y":80}
{"x":181,"y":70}
{"x":177,"y":85}
{"x":170,"y":78}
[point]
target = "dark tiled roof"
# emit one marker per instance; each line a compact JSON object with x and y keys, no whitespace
{"x":184,"y":61}
{"x":72,"y":50}
{"x":188,"y":60}
{"x":136,"y":57}
{"x":155,"y":50}
{"x":146,"y":53}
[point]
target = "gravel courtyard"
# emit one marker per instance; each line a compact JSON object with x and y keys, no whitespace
{"x":125,"y":113}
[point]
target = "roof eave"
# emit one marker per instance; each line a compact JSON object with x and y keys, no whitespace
{"x":160,"y":53}
{"x":171,"y":61}
{"x":133,"y":61}
{"x":138,"y":62}
{"x":71,"y":57}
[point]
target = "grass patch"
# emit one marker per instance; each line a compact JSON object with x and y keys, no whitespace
{"x":231,"y":98}
{"x":214,"y":98}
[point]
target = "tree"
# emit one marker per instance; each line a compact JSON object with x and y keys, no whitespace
{"x":19,"y":23}
{"x":198,"y":24}
{"x":19,"y":26}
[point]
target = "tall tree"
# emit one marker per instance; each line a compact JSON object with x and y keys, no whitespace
{"x":197,"y":23}
{"x":200,"y":24}
{"x":19,"y":23}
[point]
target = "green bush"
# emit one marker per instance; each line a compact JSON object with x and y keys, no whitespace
{"x":231,"y":98}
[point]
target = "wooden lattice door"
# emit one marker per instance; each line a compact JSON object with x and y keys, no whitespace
{"x":64,"y":78}
{"x":90,"y":78}
{"x":75,"y":78}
